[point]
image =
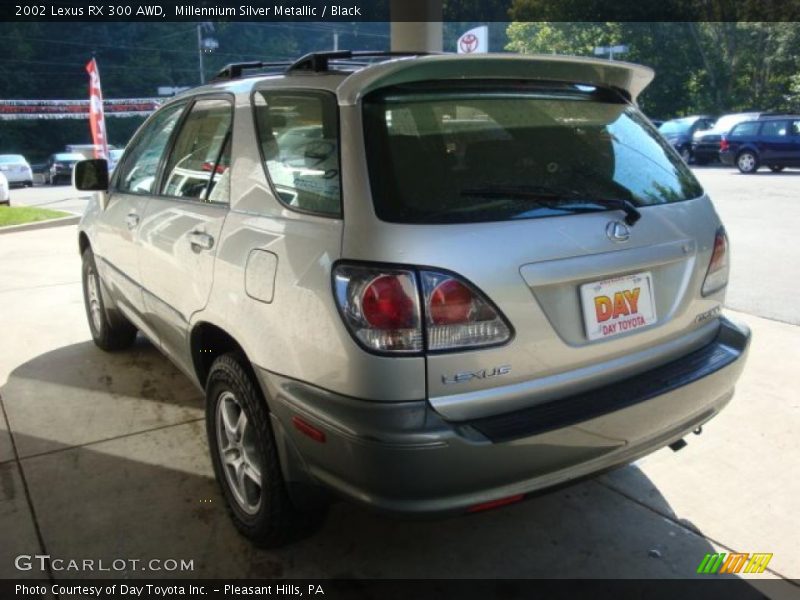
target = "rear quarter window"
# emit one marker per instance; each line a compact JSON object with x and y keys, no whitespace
{"x":745,"y":130}
{"x":448,"y":154}
{"x":298,"y":134}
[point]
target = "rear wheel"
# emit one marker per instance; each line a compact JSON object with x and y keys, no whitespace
{"x":109,"y":331}
{"x":747,"y":162}
{"x":776,"y":168}
{"x":245,"y":457}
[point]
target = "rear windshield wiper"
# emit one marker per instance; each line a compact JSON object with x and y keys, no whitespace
{"x":554,"y":198}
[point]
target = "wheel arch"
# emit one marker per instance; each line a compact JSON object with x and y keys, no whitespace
{"x":748,"y":148}
{"x":83,"y":242}
{"x":207,"y":342}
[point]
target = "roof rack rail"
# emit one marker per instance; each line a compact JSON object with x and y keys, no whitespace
{"x":319,"y":61}
{"x":235,"y":70}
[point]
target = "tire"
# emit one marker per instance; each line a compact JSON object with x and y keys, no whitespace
{"x":238,"y":426}
{"x":28,"y":184}
{"x":776,"y":168}
{"x":747,"y":162}
{"x":109,"y":331}
{"x":686,"y":154}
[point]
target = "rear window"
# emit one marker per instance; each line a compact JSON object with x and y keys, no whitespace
{"x":461,"y":155}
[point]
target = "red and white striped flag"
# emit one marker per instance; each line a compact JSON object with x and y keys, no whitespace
{"x":97,"y":119}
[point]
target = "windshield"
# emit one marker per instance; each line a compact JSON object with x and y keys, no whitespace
{"x":69,"y":157}
{"x":676,"y":126}
{"x":12,"y":158}
{"x":445,"y":155}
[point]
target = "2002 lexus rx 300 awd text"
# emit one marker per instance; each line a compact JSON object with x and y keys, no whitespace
{"x":430,"y":284}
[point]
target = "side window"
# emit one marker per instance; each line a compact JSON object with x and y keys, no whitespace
{"x":299,"y":137}
{"x":199,"y":163}
{"x":795,"y":127}
{"x":744,"y":129}
{"x":140,"y":168}
{"x":773,"y":128}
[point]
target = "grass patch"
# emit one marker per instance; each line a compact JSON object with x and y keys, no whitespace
{"x":17,"y":215}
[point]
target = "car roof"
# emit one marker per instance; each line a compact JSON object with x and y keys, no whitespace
{"x":351,"y":81}
{"x":777,"y":117}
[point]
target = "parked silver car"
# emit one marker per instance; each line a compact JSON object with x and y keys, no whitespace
{"x":486,"y":276}
{"x":16,"y":169}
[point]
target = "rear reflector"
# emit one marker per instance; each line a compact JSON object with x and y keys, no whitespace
{"x":495,"y":503}
{"x":308,"y":429}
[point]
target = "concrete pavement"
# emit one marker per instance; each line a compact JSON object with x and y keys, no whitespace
{"x":113,"y":454}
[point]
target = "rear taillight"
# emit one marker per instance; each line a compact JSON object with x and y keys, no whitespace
{"x":718,"y":268}
{"x":723,"y":145}
{"x":457,"y":315}
{"x":381,"y":307}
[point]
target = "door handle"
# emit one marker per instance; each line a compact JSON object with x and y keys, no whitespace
{"x":201,"y":240}
{"x":132,"y":220}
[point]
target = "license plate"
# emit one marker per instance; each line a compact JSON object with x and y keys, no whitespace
{"x":616,"y":306}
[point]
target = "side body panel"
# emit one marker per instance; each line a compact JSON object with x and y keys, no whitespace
{"x":299,"y":333}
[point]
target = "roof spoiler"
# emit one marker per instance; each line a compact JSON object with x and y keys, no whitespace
{"x":628,"y":78}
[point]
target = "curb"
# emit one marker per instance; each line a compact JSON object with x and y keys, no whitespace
{"x":72,"y":220}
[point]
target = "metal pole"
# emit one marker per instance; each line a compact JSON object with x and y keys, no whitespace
{"x":200,"y":54}
{"x":416,"y":25}
{"x":335,"y":40}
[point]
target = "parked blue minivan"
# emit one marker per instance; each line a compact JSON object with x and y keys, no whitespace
{"x":769,"y":141}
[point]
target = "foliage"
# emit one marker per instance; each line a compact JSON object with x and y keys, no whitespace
{"x":701,"y":67}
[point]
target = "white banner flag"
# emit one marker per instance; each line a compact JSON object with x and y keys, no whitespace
{"x":474,"y":41}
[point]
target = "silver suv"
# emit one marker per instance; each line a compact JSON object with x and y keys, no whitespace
{"x":430,"y":284}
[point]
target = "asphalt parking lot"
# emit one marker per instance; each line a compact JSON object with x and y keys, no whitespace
{"x":104,"y":456}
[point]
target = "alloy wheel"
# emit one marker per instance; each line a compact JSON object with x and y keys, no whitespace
{"x":93,"y":291}
{"x":238,"y":452}
{"x":746,"y":162}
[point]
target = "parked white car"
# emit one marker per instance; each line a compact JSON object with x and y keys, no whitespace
{"x":16,"y":169}
{"x":5,"y":195}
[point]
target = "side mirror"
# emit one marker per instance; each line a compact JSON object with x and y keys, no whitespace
{"x":91,"y":175}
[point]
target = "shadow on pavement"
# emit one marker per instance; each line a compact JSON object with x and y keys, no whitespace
{"x":151,"y":494}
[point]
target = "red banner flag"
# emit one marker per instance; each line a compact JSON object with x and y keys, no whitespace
{"x":97,"y":120}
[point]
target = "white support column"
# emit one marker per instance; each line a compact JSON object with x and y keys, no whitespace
{"x":416,"y":25}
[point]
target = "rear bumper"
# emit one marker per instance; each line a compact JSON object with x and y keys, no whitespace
{"x":706,"y":151}
{"x":727,"y":158}
{"x":404,"y":457}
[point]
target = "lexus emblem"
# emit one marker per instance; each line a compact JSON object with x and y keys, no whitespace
{"x":617,"y":231}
